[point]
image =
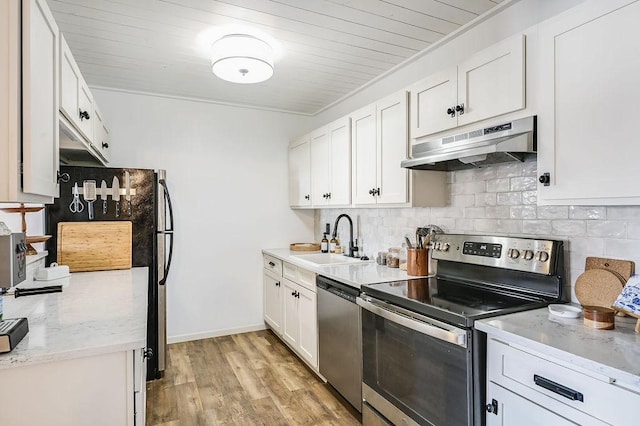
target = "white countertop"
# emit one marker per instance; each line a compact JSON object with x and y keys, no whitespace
{"x":612,"y":353}
{"x":354,"y":274}
{"x":96,"y":313}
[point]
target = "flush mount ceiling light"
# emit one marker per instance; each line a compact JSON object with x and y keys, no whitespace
{"x":242,"y":58}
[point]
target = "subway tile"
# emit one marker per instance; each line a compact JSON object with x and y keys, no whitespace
{"x":529,"y":197}
{"x":463,"y":200}
{"x":509,"y":198}
{"x":622,"y":249}
{"x":553,"y":212}
{"x":475,"y":187}
{"x":524,"y":183}
{"x":485,"y":199}
{"x":606,"y":228}
{"x":475,"y":213}
{"x":530,"y":168}
{"x":464,"y":225}
{"x":498,"y":185}
{"x":484,"y":173}
{"x":537,"y":227}
{"x":446,"y":212}
{"x":497,"y":212}
{"x":623,"y":213}
{"x":509,"y":170}
{"x":499,"y":226}
{"x":581,"y":212}
{"x":586,"y":246}
{"x":522,"y":212}
{"x":462,"y":176}
{"x":633,"y":230}
{"x":569,"y":227}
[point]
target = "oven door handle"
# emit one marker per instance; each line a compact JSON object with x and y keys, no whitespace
{"x":424,"y":325}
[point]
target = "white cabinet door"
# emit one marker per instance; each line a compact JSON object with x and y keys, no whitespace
{"x":308,"y":322}
{"x":291,"y":320}
{"x":339,"y":133}
{"x":273,"y":299}
{"x":512,"y":409}
{"x":139,"y":387}
{"x":492,"y":82}
{"x":590,"y":77}
{"x":70,"y":78}
{"x":299,"y":174}
{"x":364,"y":154}
{"x":101,"y":135}
{"x":319,"y":148}
{"x":40,"y":99}
{"x":392,"y":180}
{"x":433,"y":103}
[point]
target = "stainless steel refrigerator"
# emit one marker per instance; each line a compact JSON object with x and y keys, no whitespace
{"x":147,"y":204}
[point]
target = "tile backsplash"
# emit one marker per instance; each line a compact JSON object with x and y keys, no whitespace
{"x":501,"y":200}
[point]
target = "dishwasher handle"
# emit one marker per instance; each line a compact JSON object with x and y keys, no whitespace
{"x":415,"y":322}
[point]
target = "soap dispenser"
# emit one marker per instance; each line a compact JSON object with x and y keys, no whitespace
{"x":324,"y":245}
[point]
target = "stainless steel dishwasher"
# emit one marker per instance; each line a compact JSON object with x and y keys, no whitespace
{"x":340,"y":338}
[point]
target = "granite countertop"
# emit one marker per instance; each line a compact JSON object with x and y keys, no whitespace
{"x":96,"y":313}
{"x":612,"y":353}
{"x":354,"y":274}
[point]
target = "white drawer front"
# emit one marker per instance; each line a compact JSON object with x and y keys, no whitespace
{"x":272,"y":264}
{"x":532,"y":376}
{"x":301,"y":276}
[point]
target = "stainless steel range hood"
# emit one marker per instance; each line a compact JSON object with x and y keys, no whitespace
{"x":501,"y":143}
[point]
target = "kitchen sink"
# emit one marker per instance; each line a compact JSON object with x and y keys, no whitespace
{"x":328,"y":259}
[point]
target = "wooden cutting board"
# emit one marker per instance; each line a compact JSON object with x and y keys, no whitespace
{"x":625,"y":268}
{"x":94,"y":246}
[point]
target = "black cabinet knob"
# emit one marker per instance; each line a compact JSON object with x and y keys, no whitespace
{"x":105,"y":145}
{"x":545,"y":179}
{"x":460,"y":109}
{"x":372,"y":192}
{"x":84,"y":115}
{"x":306,"y":197}
{"x":147,"y":353}
{"x":277,"y":283}
{"x":293,"y":293}
{"x":329,"y":195}
{"x":451,"y":112}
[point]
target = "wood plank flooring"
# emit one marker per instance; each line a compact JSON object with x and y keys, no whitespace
{"x":244,"y":379}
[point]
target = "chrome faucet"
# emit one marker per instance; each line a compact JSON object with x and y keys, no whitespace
{"x":352,"y":247}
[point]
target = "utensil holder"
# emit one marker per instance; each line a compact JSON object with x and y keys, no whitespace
{"x":417,"y":262}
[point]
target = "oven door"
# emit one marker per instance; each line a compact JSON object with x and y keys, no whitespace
{"x":415,"y":366}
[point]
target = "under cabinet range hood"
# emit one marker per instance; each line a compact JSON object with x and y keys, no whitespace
{"x":501,"y":143}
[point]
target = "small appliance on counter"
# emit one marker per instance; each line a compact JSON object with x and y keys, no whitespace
{"x":13,"y":259}
{"x":12,"y":331}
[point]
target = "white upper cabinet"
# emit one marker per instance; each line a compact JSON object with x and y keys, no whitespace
{"x":331,"y":164}
{"x":588,"y":146}
{"x":29,"y":102}
{"x":299,"y":173}
{"x":101,"y":135}
{"x":488,"y":84}
{"x":379,"y":144}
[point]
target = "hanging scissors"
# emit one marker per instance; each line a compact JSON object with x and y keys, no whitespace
{"x":76,"y":205}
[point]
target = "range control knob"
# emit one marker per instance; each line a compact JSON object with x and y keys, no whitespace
{"x":542,"y":256}
{"x":528,"y":255}
{"x":444,"y":247}
{"x":513,"y":253}
{"x":436,"y":245}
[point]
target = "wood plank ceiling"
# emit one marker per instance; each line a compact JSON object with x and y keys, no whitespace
{"x":329,"y":47}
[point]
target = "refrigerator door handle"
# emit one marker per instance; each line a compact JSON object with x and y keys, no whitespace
{"x":168,"y":231}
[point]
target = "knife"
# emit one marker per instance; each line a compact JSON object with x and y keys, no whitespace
{"x":127,"y":191}
{"x":103,"y":196}
{"x":115,"y":193}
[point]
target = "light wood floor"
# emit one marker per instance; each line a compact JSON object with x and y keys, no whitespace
{"x":244,"y":379}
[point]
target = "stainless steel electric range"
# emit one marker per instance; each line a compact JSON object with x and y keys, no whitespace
{"x":423,"y":362}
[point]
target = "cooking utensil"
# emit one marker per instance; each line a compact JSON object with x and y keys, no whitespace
{"x":103,"y":196}
{"x":76,"y":205}
{"x":127,"y":191}
{"x":115,"y":194}
{"x":90,"y":196}
{"x":408,"y":241}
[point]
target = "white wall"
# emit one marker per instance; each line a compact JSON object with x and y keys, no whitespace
{"x":227,"y":173}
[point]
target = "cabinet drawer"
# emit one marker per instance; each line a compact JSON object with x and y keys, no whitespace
{"x":536,"y":378}
{"x":272,"y":264}
{"x":305,"y":278}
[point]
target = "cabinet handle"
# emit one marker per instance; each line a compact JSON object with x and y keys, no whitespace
{"x":329,"y":195}
{"x":293,"y":293}
{"x":306,"y":197}
{"x":277,"y":283}
{"x":460,"y":109}
{"x":451,"y":112}
{"x":372,"y":192}
{"x":493,"y":407}
{"x":105,"y":145}
{"x":297,"y":295}
{"x":378,"y":191}
{"x":147,"y":353}
{"x":84,"y":115}
{"x":545,"y":179}
{"x":558,"y":388}
{"x":272,"y":264}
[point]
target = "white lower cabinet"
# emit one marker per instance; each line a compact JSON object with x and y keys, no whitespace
{"x":526,"y":388}
{"x":290,"y":307}
{"x":106,"y":389}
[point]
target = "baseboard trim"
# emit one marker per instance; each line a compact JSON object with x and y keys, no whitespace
{"x":215,"y":333}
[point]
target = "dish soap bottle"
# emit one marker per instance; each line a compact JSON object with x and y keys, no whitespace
{"x":324,"y":245}
{"x":332,"y":245}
